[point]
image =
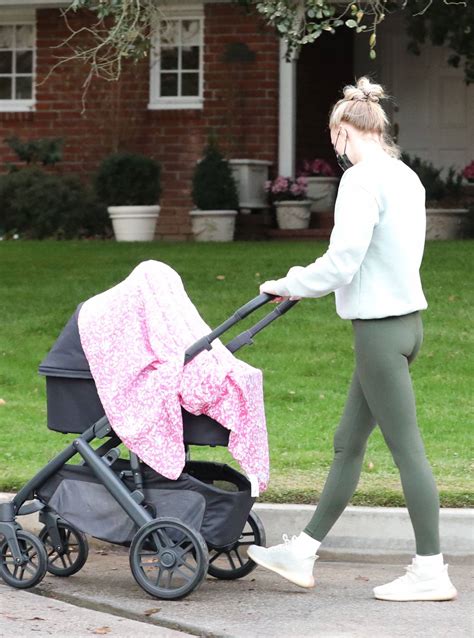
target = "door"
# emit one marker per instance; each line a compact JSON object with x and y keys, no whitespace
{"x":323,"y":68}
{"x":433,"y":109}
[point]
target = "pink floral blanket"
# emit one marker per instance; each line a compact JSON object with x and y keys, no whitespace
{"x":134,"y":337}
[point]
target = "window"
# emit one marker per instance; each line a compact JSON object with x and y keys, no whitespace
{"x":176,"y":72}
{"x":17,"y":64}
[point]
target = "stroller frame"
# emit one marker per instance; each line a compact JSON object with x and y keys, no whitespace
{"x":23,"y":558}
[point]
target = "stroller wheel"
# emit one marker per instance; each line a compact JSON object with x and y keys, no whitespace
{"x":74,"y":554}
{"x":32,"y":568}
{"x":168,"y":559}
{"x":232,"y":562}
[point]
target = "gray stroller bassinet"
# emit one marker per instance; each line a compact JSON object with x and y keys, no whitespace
{"x":178,"y":531}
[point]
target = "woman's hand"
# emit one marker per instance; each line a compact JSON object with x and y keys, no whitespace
{"x":269,"y":288}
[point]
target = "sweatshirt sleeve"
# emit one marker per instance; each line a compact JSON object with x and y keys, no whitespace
{"x":355,"y":216}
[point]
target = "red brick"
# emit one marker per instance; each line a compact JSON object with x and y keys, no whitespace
{"x":241,"y":105}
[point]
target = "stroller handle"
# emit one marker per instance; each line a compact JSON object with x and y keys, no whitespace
{"x":205,"y":342}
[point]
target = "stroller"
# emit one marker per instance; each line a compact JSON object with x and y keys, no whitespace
{"x":177,"y":530}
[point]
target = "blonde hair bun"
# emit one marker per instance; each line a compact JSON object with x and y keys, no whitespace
{"x":361,"y":109}
{"x":364,"y":91}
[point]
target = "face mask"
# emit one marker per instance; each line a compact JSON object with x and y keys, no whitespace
{"x":343,"y":161}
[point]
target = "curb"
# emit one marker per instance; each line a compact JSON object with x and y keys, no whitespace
{"x":378,"y":532}
{"x":374,"y":533}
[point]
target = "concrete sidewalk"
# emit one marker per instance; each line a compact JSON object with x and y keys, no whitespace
{"x":104,"y":598}
{"x":24,"y":614}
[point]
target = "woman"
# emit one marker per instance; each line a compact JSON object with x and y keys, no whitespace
{"x":372,"y":264}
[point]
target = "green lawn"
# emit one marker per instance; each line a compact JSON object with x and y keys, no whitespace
{"x":306,"y":356}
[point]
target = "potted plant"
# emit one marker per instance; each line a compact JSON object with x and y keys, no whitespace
{"x":468,"y":172}
{"x":322,"y":184}
{"x":129,"y":185}
{"x":445,"y":212}
{"x":250,"y":177}
{"x":293,"y":208}
{"x":214,"y":194}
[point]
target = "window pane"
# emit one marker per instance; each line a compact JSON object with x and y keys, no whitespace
{"x":24,"y":61}
{"x":6,"y":62}
{"x":169,"y":58}
{"x":169,"y":32}
{"x":24,"y":89}
{"x":6,"y":37}
{"x":24,"y":36}
{"x":190,"y":33}
{"x":169,"y":84}
{"x":190,"y":57}
{"x":190,"y":84}
{"x":5,"y":89}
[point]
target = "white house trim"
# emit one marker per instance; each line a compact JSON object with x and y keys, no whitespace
{"x":20,"y":16}
{"x":11,"y":16}
{"x":287,"y":114}
{"x":156,"y":101}
{"x":43,"y":4}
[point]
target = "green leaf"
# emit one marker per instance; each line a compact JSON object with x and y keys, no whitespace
{"x":352,"y":24}
{"x":372,"y":54}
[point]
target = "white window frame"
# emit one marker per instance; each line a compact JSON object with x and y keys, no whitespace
{"x":18,"y":18}
{"x":157,"y":102}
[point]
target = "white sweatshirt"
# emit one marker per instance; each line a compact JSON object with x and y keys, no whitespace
{"x":376,"y":247}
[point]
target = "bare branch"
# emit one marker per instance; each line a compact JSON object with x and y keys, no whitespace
{"x":123,"y":30}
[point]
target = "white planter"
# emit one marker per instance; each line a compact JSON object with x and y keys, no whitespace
{"x":134,"y":223}
{"x":293,"y":214}
{"x":250,"y":177}
{"x":213,"y":225}
{"x":322,"y":192}
{"x":445,"y":223}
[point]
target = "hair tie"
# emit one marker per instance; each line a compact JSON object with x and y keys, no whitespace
{"x":372,"y":97}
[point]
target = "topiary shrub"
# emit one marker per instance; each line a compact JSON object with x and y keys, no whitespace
{"x":213,"y":183}
{"x":37,"y":205}
{"x":127,"y":179}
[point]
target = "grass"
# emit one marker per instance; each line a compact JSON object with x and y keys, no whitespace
{"x":306,"y":357}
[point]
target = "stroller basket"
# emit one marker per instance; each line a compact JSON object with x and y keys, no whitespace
{"x":213,"y":499}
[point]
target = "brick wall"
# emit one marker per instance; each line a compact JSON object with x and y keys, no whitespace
{"x":240,"y":105}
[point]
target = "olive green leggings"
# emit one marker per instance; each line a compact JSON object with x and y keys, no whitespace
{"x":381,"y":392}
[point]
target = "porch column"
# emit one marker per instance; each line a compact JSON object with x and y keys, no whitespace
{"x":287,"y":114}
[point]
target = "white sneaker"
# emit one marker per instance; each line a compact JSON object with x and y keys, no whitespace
{"x":418,"y":584}
{"x":288,"y":559}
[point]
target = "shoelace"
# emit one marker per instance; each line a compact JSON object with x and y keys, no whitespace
{"x":286,"y":541}
{"x":411,"y":574}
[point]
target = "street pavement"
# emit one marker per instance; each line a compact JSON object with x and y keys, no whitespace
{"x":104,"y":599}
